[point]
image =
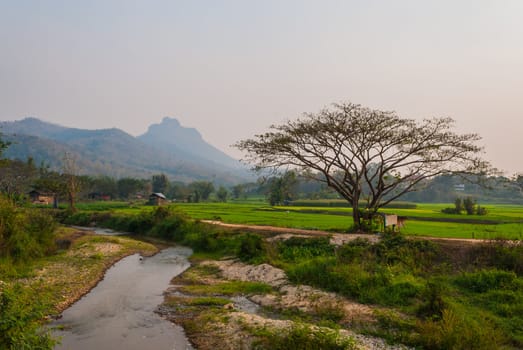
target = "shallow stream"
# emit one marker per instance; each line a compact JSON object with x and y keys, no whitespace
{"x":119,"y":312}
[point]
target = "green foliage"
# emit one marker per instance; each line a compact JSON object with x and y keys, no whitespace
{"x":450,"y":211}
{"x":251,"y":248}
{"x":299,"y":248}
{"x":458,"y":204}
{"x":457,"y":331}
{"x":3,"y":145}
{"x":222,"y":194}
{"x":382,"y":273}
{"x":229,"y":288}
{"x":303,"y":337}
{"x":469,"y":205}
{"x":20,"y":315}
{"x":172,"y":224}
{"x":281,"y":188}
{"x":434,"y":299}
{"x":502,"y":255}
{"x":25,"y":234}
{"x":485,"y":280}
{"x":342,"y":203}
{"x":201,"y":190}
{"x":208,"y":301}
{"x":160,"y":183}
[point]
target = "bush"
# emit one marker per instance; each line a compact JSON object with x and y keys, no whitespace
{"x":498,"y":254}
{"x":299,"y":248}
{"x":450,"y":211}
{"x":20,"y":319}
{"x":173,"y":227}
{"x":41,"y":226}
{"x":486,"y":280}
{"x":434,"y":297}
{"x":456,"y":331}
{"x":303,"y":337}
{"x":25,"y":234}
{"x":317,"y":272}
{"x":251,"y":247}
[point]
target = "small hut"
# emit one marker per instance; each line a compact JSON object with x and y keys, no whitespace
{"x":393,"y":221}
{"x":157,"y":199}
{"x":38,"y":197}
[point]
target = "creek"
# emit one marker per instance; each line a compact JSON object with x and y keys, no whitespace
{"x":119,"y":313}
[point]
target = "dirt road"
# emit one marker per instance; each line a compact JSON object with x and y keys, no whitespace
{"x":337,"y":237}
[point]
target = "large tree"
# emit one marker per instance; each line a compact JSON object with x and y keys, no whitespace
{"x":364,"y":154}
{"x":201,"y":190}
{"x":73,"y":182}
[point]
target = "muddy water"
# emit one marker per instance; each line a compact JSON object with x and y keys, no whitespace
{"x":118,"y":314}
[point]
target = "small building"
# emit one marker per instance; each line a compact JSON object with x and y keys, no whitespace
{"x":393,"y":221}
{"x":157,"y":199}
{"x":38,"y":197}
{"x":99,"y":196}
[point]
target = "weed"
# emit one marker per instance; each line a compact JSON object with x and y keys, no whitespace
{"x":485,"y":280}
{"x":20,"y":319}
{"x":229,"y":288}
{"x":207,"y":301}
{"x":302,"y":337}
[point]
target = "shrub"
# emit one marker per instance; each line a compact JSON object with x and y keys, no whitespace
{"x":315,"y":272}
{"x":450,"y":211}
{"x":41,"y":226}
{"x":305,"y":338}
{"x":434,"y":297}
{"x":251,"y":247}
{"x":25,"y":234}
{"x":172,"y":227}
{"x":353,"y":250}
{"x":299,"y":248}
{"x":78,"y":218}
{"x":469,"y":205}
{"x":500,"y":254}
{"x":456,"y":331}
{"x":485,"y":280}
{"x":20,"y":316}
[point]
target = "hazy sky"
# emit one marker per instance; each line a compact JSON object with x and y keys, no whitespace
{"x":232,"y":68}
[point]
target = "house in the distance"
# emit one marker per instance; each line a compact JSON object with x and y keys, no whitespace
{"x":38,"y":197}
{"x":157,"y":199}
{"x":99,"y":196}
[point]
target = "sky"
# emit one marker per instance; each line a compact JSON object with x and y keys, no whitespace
{"x":232,"y":68}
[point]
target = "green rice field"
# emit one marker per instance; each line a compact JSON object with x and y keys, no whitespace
{"x":502,"y":221}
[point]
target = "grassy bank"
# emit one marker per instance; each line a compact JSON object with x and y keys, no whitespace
{"x":32,"y":290}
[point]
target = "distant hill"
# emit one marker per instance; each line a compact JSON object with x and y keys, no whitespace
{"x":115,"y":153}
{"x":185,"y":142}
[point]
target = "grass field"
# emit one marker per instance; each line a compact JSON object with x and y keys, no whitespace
{"x":502,"y":221}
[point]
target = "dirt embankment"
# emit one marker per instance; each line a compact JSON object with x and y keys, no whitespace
{"x":234,"y":325}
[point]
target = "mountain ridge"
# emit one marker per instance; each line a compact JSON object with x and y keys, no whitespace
{"x":115,"y":153}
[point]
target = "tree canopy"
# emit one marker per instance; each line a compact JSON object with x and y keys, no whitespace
{"x":365,"y":154}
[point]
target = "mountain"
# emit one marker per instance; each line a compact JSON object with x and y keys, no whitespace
{"x":185,"y":142}
{"x":115,"y":153}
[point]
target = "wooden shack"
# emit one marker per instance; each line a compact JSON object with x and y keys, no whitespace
{"x":157,"y":199}
{"x":394,"y":222}
{"x":38,"y":197}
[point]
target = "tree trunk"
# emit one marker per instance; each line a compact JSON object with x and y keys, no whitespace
{"x":356,"y":217}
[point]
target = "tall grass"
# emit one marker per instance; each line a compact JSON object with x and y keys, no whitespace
{"x":25,"y":234}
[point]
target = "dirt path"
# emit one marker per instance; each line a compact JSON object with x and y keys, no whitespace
{"x":337,"y":238}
